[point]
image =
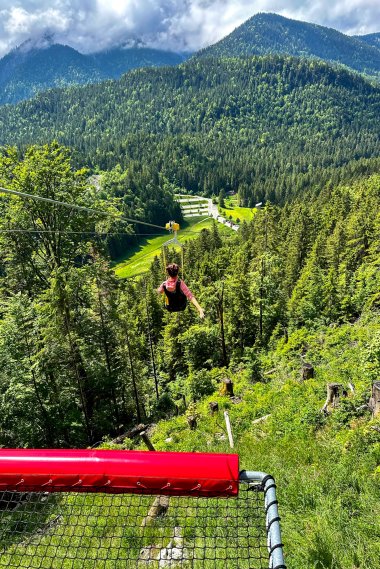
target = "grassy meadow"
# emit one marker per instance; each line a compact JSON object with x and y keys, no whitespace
{"x":138,"y":258}
{"x":232,"y":208}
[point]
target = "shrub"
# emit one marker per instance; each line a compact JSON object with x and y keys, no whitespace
{"x":201,"y":345}
{"x":199,"y":384}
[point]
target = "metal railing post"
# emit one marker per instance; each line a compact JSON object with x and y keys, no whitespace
{"x":266,"y":481}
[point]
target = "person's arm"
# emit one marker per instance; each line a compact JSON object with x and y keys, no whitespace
{"x":186,"y":291}
{"x":199,"y":308}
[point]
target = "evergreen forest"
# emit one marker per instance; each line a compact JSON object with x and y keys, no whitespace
{"x":269,"y":128}
{"x":85,"y":356}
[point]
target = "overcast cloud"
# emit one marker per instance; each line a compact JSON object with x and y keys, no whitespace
{"x":178,"y":25}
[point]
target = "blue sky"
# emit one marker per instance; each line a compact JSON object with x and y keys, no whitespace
{"x":94,"y":25}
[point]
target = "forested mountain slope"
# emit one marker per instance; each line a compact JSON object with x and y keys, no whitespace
{"x":268,"y":127}
{"x":116,"y":61}
{"x":271,"y":33}
{"x":371,"y":39}
{"x":30,"y":68}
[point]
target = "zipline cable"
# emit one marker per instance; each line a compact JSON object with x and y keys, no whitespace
{"x":159,"y":247}
{"x":88,"y":209}
{"x":57,"y":231}
{"x":78,"y":207}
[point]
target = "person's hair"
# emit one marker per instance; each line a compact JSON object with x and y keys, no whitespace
{"x":172,"y":269}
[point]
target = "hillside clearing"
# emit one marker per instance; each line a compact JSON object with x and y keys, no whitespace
{"x":237,"y":213}
{"x":139,"y":258}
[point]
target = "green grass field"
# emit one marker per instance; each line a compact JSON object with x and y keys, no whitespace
{"x":232,"y":208}
{"x":138,"y":259}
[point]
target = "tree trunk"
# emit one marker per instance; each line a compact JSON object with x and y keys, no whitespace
{"x":85,"y":392}
{"x":147,"y":441}
{"x":261,"y":299}
{"x":106,"y":347}
{"x":48,"y":431}
{"x":133,"y":376}
{"x":153,"y":359}
{"x":221,"y":323}
{"x":374,"y":402}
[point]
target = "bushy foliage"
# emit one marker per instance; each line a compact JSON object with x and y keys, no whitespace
{"x":201,"y":347}
{"x":199,"y":384}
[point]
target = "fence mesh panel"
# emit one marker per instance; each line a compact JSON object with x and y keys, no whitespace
{"x":111,"y":531}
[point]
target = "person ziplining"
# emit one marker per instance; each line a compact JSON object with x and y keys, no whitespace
{"x":177,"y":292}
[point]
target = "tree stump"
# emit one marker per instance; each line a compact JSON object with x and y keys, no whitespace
{"x":227,"y":388}
{"x":374,"y":402}
{"x":214,"y":407}
{"x":307,"y":371}
{"x":192,"y":422}
{"x":333,"y":395}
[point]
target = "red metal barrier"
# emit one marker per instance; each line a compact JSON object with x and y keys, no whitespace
{"x":113,"y":471}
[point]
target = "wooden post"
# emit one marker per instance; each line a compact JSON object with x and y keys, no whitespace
{"x":146,"y":440}
{"x":307,"y":371}
{"x":227,"y":388}
{"x":229,"y":430}
{"x":158,"y":508}
{"x":374,"y":402}
{"x":161,"y":503}
{"x":333,"y":393}
{"x":214,"y":407}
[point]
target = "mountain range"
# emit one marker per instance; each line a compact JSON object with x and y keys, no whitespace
{"x":371,"y":39}
{"x":266,"y":125}
{"x":37,"y":66}
{"x":273,"y":34}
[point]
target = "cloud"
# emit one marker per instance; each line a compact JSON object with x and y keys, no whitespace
{"x":95,"y":25}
